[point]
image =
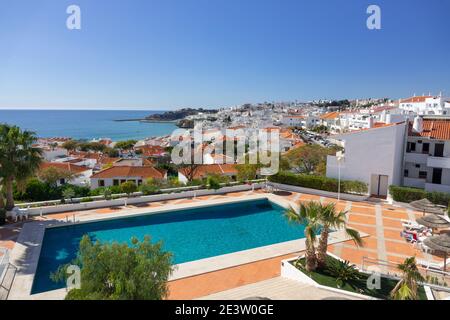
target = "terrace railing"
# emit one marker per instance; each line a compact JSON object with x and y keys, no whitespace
{"x":7,"y":273}
{"x":434,"y":278}
{"x":49,"y":203}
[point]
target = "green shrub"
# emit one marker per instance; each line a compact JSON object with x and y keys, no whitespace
{"x":212,"y":182}
{"x":318,"y":182}
{"x":343,"y":271}
{"x":406,"y":194}
{"x":128,"y":187}
{"x":87,"y":200}
{"x":148,"y":189}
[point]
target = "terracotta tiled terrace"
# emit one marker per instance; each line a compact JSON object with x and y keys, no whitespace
{"x":382,"y":223}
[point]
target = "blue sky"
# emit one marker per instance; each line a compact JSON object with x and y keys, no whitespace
{"x":161,"y":54}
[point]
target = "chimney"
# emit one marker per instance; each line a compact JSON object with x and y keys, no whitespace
{"x":418,"y":124}
{"x":383,"y":116}
{"x":388,"y":118}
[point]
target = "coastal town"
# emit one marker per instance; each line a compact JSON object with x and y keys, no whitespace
{"x":414,"y":158}
{"x":369,"y":157}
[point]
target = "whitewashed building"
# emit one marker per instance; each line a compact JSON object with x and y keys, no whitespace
{"x":373,"y":156}
{"x":427,"y":154}
{"x":425,"y":105}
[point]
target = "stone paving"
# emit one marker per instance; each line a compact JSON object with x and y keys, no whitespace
{"x":382,"y":223}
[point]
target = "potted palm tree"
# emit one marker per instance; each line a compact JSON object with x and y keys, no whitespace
{"x":307,"y":215}
{"x":330,"y":219}
{"x":406,"y":288}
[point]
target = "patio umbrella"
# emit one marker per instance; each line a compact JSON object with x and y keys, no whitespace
{"x":440,"y":243}
{"x":427,"y":206}
{"x":433,"y":221}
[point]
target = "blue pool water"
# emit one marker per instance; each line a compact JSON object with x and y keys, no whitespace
{"x":190,"y":234}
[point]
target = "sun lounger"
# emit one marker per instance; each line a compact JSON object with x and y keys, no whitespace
{"x":428,"y":265}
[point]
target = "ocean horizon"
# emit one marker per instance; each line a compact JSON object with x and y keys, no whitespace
{"x":86,"y":124}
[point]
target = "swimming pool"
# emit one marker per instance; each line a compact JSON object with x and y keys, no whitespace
{"x":190,"y":234}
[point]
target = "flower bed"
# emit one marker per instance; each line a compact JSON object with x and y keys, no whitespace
{"x":325,"y":278}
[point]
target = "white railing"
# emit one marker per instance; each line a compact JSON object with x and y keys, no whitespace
{"x":438,"y":162}
{"x":4,"y":263}
{"x":433,"y":278}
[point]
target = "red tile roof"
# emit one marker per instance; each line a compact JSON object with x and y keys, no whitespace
{"x":433,"y":129}
{"x":415,"y":99}
{"x":330,"y":115}
{"x":208,"y":169}
{"x":151,"y":151}
{"x":130,"y":171}
{"x":63,"y":166}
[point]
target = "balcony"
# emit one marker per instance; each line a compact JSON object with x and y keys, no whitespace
{"x":415,"y":157}
{"x":414,"y":182}
{"x":438,"y":162}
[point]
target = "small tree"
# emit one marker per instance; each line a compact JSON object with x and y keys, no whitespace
{"x":308,"y":159}
{"x":246,"y":172}
{"x":68,"y":193}
{"x":70,"y":145}
{"x":120,"y":272}
{"x":212,"y":182}
{"x":107,"y":193}
{"x":52,"y":175}
{"x":125,"y":145}
{"x":128,"y":187}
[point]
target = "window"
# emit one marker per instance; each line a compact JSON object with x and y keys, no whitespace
{"x":405,"y":173}
{"x":439,"y":150}
{"x":419,"y":141}
{"x":426,"y":148}
{"x":418,"y":166}
{"x":437,"y":176}
{"x":116,"y":182}
{"x":101,"y":183}
{"x":139,"y":182}
{"x":422,"y":174}
{"x":411,"y":147}
{"x":62,"y":181}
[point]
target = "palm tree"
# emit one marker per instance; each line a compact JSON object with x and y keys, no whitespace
{"x":330,"y":219}
{"x":406,"y":288}
{"x":19,"y":159}
{"x":307,"y":215}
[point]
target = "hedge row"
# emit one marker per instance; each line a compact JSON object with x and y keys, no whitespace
{"x":405,"y":194}
{"x":319,"y":182}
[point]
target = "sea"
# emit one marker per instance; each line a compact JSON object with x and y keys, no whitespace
{"x":87,"y":124}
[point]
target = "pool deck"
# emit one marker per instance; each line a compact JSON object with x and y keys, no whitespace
{"x":380,"y":223}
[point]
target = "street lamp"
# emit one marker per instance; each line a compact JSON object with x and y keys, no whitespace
{"x":339,"y":157}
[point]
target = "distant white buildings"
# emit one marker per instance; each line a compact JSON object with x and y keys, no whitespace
{"x":425,"y":105}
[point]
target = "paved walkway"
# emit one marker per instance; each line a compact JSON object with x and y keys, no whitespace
{"x":381,"y":222}
{"x":278,"y":289}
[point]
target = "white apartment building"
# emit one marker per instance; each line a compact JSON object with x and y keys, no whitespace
{"x":425,"y":105}
{"x":301,"y":121}
{"x":373,"y":156}
{"x":427,"y":154}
